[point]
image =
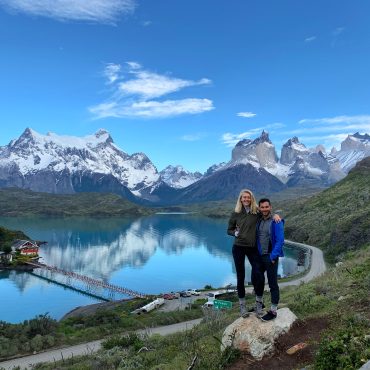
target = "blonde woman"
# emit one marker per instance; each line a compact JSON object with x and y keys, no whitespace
{"x":242,"y":225}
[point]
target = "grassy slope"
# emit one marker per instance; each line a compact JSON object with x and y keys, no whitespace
{"x":341,"y":295}
{"x":17,"y":202}
{"x":7,"y":236}
{"x":337,"y":219}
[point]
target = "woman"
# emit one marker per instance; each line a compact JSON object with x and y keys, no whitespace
{"x":242,"y":225}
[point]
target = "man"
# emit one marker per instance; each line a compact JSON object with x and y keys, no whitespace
{"x":270,"y":241}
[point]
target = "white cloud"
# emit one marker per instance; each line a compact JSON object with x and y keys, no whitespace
{"x":133,"y":65}
{"x":329,"y":141}
{"x":310,"y":39}
{"x":100,"y":11}
{"x":152,"y":109}
{"x":146,"y":23}
{"x":194,"y":137}
{"x":246,"y":114}
{"x":360,"y":119}
{"x":330,"y":131}
{"x":111,"y":72}
{"x":150,"y":85}
{"x":338,"y":31}
{"x":230,"y":139}
{"x":134,"y":97}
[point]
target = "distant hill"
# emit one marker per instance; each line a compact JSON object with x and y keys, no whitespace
{"x":8,"y":236}
{"x":18,"y":202}
{"x":338,"y":218}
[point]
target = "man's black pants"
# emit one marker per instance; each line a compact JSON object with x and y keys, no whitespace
{"x":271,"y":270}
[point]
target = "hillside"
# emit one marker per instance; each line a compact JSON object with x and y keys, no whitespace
{"x":18,"y":202}
{"x":337,"y":219}
{"x":7,"y":236}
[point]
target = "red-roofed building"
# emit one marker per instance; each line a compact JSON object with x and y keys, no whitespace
{"x":25,"y":247}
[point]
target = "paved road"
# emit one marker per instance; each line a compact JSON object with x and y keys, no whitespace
{"x":317,"y":268}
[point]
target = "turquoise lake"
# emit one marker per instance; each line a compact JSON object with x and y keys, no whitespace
{"x":155,"y":254}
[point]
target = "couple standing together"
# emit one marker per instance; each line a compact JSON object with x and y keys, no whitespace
{"x":259,"y":235}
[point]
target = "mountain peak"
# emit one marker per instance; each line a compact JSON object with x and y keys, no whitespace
{"x":28,"y":133}
{"x":178,"y":177}
{"x":103,"y":134}
{"x":293,"y":140}
{"x":264,"y":138}
{"x":365,"y":137}
{"x":291,"y":149}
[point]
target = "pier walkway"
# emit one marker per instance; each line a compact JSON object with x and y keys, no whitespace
{"x":88,"y":280}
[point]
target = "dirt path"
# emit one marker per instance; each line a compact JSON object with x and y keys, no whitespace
{"x":317,"y":268}
{"x":88,"y":348}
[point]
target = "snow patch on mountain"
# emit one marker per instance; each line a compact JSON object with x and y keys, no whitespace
{"x":177,"y":177}
{"x":353,"y":149}
{"x":97,"y":153}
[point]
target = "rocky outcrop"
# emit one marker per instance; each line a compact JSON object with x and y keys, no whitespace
{"x":260,"y":152}
{"x":291,"y":150}
{"x":256,"y":337}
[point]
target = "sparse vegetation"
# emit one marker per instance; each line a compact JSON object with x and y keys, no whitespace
{"x":8,"y":236}
{"x":18,"y":202}
{"x":337,"y":219}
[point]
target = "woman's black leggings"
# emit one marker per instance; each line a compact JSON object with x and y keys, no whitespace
{"x":255,"y":260}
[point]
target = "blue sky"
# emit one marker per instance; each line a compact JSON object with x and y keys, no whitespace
{"x":183,"y":81}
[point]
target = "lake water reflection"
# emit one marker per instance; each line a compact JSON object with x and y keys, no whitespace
{"x":164,"y":252}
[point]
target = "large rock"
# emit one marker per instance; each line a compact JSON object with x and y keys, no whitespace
{"x":256,"y":337}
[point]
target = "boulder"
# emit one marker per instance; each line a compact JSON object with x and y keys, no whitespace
{"x":255,"y":336}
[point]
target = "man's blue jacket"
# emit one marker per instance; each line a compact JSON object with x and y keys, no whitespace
{"x":276,"y":239}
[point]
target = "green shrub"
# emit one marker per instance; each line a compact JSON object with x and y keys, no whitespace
{"x":131,"y":339}
{"x":346,"y":348}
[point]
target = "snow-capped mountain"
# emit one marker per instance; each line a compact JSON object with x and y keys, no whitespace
{"x":259,"y":152}
{"x":353,"y":149}
{"x":291,"y":150}
{"x":309,"y":166}
{"x":177,"y":177}
{"x":67,"y":164}
{"x":255,"y":165}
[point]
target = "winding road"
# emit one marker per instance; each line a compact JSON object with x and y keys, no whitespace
{"x":317,"y":267}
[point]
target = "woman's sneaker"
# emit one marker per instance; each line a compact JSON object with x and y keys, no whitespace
{"x":257,"y":308}
{"x":243,"y":311}
{"x":269,"y":316}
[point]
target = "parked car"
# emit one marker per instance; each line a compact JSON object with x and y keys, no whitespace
{"x":194,"y":291}
{"x":208,"y":304}
{"x":185,"y":294}
{"x":168,"y":296}
{"x":175,"y":295}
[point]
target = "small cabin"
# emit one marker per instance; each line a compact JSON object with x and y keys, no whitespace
{"x":25,"y":247}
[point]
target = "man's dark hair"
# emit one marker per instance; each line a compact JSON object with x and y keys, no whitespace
{"x":263,"y":200}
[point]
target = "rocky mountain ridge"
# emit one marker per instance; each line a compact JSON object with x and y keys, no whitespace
{"x":66,"y":164}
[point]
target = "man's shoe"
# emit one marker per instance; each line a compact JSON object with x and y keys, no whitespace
{"x":243,"y":311}
{"x":269,"y":316}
